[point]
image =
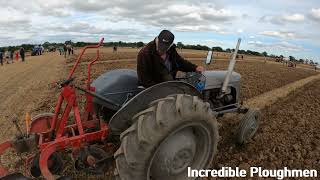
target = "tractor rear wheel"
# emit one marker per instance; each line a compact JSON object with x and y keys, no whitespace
{"x":174,"y":133}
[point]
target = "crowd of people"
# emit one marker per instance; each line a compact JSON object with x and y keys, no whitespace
{"x":8,"y":56}
{"x":67,"y":48}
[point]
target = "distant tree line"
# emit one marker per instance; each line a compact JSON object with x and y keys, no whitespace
{"x":140,"y":44}
{"x":220,"y":49}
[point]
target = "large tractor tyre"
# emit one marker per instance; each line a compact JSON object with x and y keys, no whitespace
{"x":174,"y":133}
{"x":248,"y":126}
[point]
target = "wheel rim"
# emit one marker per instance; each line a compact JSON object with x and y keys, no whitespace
{"x":188,"y":146}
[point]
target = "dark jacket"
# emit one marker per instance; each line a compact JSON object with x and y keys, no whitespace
{"x":22,"y":52}
{"x":152,"y":70}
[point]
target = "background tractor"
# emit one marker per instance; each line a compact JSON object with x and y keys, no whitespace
{"x":37,"y":50}
{"x":157,"y":132}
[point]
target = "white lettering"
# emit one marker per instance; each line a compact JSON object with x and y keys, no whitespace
{"x":202,"y":173}
{"x":254,"y":172}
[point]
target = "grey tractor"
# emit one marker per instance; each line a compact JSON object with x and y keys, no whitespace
{"x":164,"y":129}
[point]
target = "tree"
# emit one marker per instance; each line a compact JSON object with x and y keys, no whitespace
{"x":217,"y":49}
{"x":291,"y":58}
{"x":140,"y":44}
{"x":46,"y":44}
{"x":241,"y":51}
{"x":180,"y":45}
{"x":265,"y":54}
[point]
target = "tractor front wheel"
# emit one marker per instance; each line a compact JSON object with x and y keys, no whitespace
{"x":248,"y":126}
{"x":174,"y":133}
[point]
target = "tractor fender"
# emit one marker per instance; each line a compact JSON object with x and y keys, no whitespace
{"x":121,"y":120}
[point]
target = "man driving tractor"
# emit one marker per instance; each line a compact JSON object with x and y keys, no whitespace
{"x":159,"y":61}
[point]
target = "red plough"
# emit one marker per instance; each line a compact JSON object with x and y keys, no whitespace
{"x":51,"y":134}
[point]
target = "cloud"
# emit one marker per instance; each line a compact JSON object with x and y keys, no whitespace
{"x":207,"y":28}
{"x":240,"y":31}
{"x":279,"y":34}
{"x":90,"y":5}
{"x":256,"y":43}
{"x":293,"y":18}
{"x":280,"y":46}
{"x":14,"y":23}
{"x":165,"y":14}
{"x":56,"y":12}
{"x":56,"y":8}
{"x":314,"y":14}
{"x":213,"y":43}
{"x":85,"y":30}
{"x":283,"y":19}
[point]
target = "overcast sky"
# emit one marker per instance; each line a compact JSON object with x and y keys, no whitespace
{"x":289,"y":27}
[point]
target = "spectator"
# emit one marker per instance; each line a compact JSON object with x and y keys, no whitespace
{"x":7,"y":55}
{"x":72,"y":49}
{"x":115,"y":49}
{"x":65,"y":50}
{"x":1,"y":58}
{"x":17,"y":55}
{"x":22,"y":53}
{"x":60,"y":50}
{"x":11,"y":55}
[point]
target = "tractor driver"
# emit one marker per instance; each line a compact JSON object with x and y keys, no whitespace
{"x":159,"y":61}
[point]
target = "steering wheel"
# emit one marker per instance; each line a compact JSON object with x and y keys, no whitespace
{"x":196,"y":79}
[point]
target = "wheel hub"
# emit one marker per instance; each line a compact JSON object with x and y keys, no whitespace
{"x":175,"y":154}
{"x":181,"y":160}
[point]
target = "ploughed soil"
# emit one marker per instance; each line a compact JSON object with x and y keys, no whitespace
{"x":288,"y":135}
{"x":131,"y":53}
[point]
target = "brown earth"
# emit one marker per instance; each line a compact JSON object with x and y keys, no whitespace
{"x":131,"y":53}
{"x":288,"y":135}
{"x":27,"y":87}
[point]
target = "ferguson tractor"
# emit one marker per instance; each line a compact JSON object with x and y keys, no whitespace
{"x":158,"y":132}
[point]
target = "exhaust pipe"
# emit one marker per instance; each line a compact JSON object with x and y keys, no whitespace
{"x":230,"y":69}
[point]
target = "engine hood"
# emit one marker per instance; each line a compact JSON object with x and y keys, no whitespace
{"x":216,"y":78}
